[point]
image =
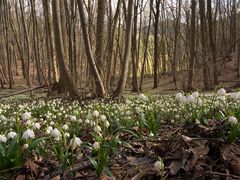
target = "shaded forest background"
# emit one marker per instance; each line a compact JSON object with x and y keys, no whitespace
{"x":106,"y":46}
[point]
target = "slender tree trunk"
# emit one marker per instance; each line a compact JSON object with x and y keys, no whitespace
{"x":98,"y":81}
{"x":176,"y":34}
{"x":99,"y":39}
{"x":64,"y":32}
{"x":26,"y":41}
{"x":192,"y":45}
{"x":66,"y":82}
{"x":156,"y":46}
{"x":212,"y":42}
{"x":127,"y":50}
{"x":35,"y":41}
{"x":145,"y":56}
{"x":49,"y":41}
{"x":203,"y":42}
{"x":134,"y":50}
{"x":111,"y":44}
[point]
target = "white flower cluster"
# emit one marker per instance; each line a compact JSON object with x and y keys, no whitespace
{"x":190,"y":99}
{"x":143,"y":97}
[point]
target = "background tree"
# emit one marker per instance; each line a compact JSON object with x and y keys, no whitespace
{"x":65,"y":81}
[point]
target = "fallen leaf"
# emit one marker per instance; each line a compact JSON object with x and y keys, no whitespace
{"x":231,"y":154}
{"x":32,"y":166}
{"x":139,"y":175}
{"x":140,"y":161}
{"x":178,"y":158}
{"x":56,"y":178}
{"x":21,"y":177}
{"x":103,"y":176}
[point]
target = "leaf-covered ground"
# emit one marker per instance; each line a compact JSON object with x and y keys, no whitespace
{"x":189,"y":136}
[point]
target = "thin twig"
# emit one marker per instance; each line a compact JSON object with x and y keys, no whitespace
{"x":222,"y":174}
{"x":75,"y":167}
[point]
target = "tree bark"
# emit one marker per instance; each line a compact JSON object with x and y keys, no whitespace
{"x":100,"y":92}
{"x":203,"y":42}
{"x":100,"y":36}
{"x":192,"y":45}
{"x":66,"y":82}
{"x":156,"y":44}
{"x":127,"y":50}
{"x":212,"y":43}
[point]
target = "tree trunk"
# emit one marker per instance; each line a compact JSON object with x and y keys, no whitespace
{"x":203,"y":42}
{"x":66,"y":82}
{"x":100,"y":92}
{"x":192,"y":45}
{"x":134,"y":51}
{"x":99,"y":39}
{"x":145,"y":56}
{"x":26,"y":42}
{"x":156,"y":46}
{"x":212,"y":43}
{"x":127,"y":50}
{"x":111,"y":43}
{"x":49,"y":41}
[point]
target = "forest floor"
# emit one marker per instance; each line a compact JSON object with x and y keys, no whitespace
{"x":148,"y":137}
{"x":195,"y":147}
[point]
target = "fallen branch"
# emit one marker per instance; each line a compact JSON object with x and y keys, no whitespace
{"x":75,"y":167}
{"x":222,"y":174}
{"x":25,"y":90}
{"x":229,"y":80}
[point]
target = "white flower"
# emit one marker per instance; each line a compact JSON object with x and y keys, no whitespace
{"x":143,"y":97}
{"x":28,"y":122}
{"x":28,"y":134}
{"x":36,"y":126}
{"x":183,"y":99}
{"x":75,"y":142}
{"x":179,"y":95}
{"x":49,"y":129}
{"x":96,"y":146}
{"x":97,"y":129}
{"x":151,"y":134}
{"x":195,"y":94}
{"x":80,"y":121}
{"x":72,"y":118}
{"x":235,"y":96}
{"x":95,"y":113}
{"x":107,"y":124}
{"x":3,"y":118}
{"x":232,"y":120}
{"x":25,"y":146}
{"x":89,"y":116}
{"x":3,"y":138}
{"x":65,"y":126}
{"x":221,"y":92}
{"x":26,"y":116}
{"x":52,"y":123}
{"x":11,"y":135}
{"x":159,"y":165}
{"x":222,"y":98}
{"x":191,"y":99}
{"x":103,"y":118}
{"x":199,"y":102}
{"x":66,"y":134}
{"x":87,"y":121}
{"x":56,"y":133}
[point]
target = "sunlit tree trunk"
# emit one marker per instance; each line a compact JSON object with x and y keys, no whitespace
{"x":66,"y":82}
{"x":100,"y":92}
{"x":127,"y":50}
